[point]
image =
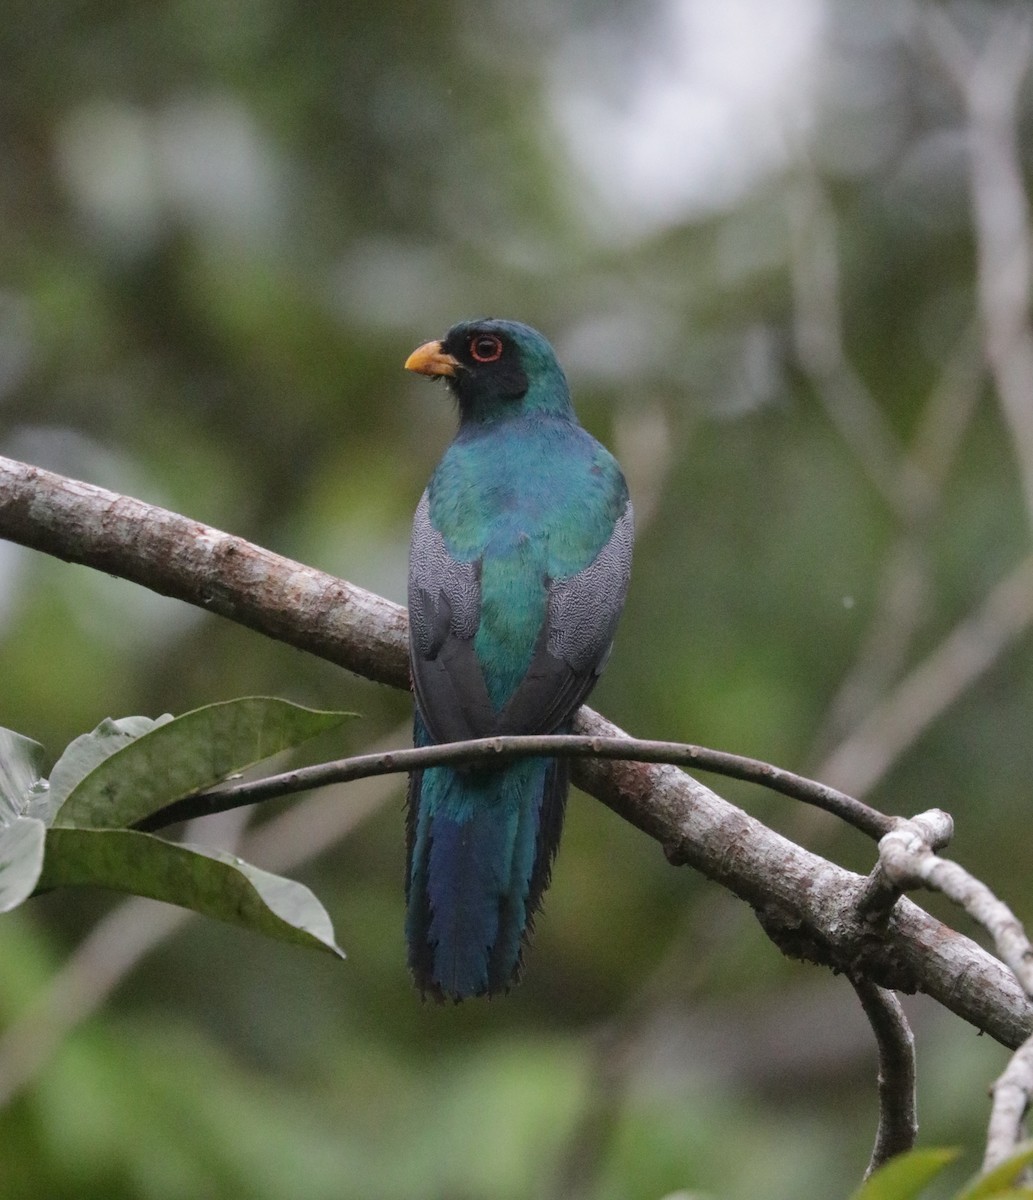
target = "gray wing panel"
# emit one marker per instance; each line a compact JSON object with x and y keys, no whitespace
{"x":444,"y":595}
{"x":444,"y":612}
{"x":585,"y":608}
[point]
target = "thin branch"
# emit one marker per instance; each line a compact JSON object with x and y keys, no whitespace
{"x":611,"y":1055}
{"x":898,"y":1115}
{"x":1011,"y":1095}
{"x":907,"y":858}
{"x":618,"y":1048}
{"x":948,"y":412}
{"x":899,"y":603}
{"x":883,"y":887}
{"x":807,"y":904}
{"x":910,"y":482}
{"x":499,"y":749}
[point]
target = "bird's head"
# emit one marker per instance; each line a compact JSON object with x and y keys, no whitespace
{"x":495,"y":368}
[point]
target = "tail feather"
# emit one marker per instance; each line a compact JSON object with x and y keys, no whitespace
{"x":481,"y":845}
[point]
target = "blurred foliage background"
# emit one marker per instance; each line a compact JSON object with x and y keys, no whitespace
{"x":782,"y":251}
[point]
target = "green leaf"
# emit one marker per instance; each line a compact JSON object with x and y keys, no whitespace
{"x":89,"y":751}
{"x":21,"y":860}
{"x":211,"y":882}
{"x":21,"y":779}
{"x":904,"y":1177}
{"x":1002,"y":1178}
{"x":122,"y":781}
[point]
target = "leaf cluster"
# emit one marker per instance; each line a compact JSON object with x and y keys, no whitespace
{"x":76,"y":828}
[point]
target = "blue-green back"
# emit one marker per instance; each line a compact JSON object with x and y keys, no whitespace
{"x":535,"y":499}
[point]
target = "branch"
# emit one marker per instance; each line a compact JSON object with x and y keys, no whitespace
{"x":1011,"y":1094}
{"x":910,"y":479}
{"x":907,"y":859}
{"x":898,"y":1119}
{"x":808,"y":905}
{"x":216,"y":571}
{"x":496,"y":749}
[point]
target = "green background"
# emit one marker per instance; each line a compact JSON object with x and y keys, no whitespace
{"x":747,"y":229}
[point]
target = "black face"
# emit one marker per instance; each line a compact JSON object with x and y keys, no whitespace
{"x":489,"y":364}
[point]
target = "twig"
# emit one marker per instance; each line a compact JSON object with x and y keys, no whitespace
{"x":1011,"y":1094}
{"x":910,"y":480}
{"x":949,"y":410}
{"x":494,"y":750}
{"x":910,"y":483}
{"x":907,"y":858}
{"x":883,"y":888}
{"x":807,"y":903}
{"x":898,"y":1119}
{"x":611,"y":1056}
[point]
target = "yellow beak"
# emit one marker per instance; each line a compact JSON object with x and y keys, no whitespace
{"x":430,"y":359}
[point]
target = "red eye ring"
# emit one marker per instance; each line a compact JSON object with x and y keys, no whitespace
{"x":485,"y":348}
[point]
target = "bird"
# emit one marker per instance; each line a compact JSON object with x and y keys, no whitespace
{"x":518,"y":570}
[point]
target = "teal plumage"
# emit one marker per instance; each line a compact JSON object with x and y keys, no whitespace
{"x":518,"y":569}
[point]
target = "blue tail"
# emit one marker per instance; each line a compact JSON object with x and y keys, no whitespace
{"x":481,"y":845}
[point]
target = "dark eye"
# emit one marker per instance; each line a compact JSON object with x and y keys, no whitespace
{"x":485,"y":348}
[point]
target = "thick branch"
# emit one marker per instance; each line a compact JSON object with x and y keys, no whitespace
{"x":807,"y":904}
{"x":216,"y":571}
